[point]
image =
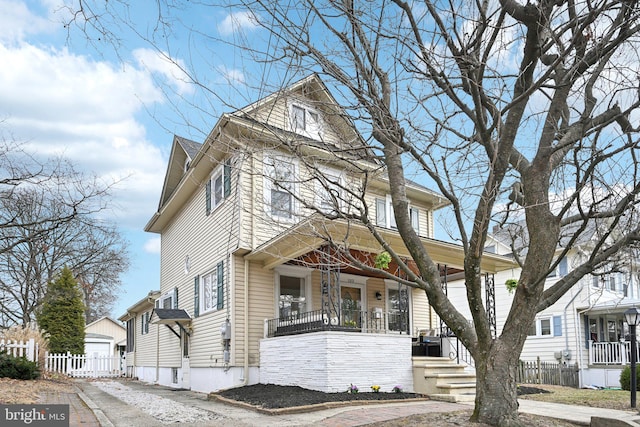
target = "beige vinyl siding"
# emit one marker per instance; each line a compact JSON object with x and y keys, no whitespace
{"x":421,"y":311}
{"x":375,"y":285}
{"x":277,"y":115}
{"x":238,"y":307}
{"x":107,"y":327}
{"x":261,"y":306}
{"x":206,"y":239}
{"x":145,"y":345}
{"x":316,"y":290}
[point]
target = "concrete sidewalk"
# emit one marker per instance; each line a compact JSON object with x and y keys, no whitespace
{"x":114,"y":412}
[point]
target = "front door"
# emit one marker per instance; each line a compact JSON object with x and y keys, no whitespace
{"x":186,"y":367}
{"x":352,"y":304}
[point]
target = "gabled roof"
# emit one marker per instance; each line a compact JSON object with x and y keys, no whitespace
{"x":313,"y":89}
{"x":143,"y":305}
{"x":105,"y":318}
{"x":519,"y":234}
{"x":183,"y":151}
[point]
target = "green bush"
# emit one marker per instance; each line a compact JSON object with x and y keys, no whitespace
{"x":18,"y":368}
{"x":625,"y":378}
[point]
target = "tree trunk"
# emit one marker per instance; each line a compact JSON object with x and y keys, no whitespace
{"x":496,"y":389}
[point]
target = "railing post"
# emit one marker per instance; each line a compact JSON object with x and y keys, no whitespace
{"x":539,"y":371}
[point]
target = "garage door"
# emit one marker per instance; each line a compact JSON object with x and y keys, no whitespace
{"x":102,"y":348}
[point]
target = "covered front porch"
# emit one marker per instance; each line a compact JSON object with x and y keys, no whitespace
{"x":336,"y":322}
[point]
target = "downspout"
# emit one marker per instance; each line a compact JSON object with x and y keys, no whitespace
{"x":157,"y":355}
{"x":246,"y":322}
{"x":245,"y":361}
{"x":566,"y":324}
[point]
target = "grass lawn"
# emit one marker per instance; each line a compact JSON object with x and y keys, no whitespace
{"x":612,"y":399}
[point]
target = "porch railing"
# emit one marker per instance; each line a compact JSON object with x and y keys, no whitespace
{"x":347,"y":320}
{"x":611,"y":353}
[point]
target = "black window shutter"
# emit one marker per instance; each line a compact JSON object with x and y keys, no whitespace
{"x":175,"y":298}
{"x":196,"y":296}
{"x":227,"y":177}
{"x":220,"y":285}
{"x":142,"y":318}
{"x":208,"y":196}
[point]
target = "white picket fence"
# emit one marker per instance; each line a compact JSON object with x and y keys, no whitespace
{"x":28,"y":349}
{"x":85,"y":365}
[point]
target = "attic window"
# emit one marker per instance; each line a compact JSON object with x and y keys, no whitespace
{"x":187,"y":164}
{"x":305,"y":121}
{"x":218,"y":186}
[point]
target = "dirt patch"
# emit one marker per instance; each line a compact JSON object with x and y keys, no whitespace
{"x":27,"y":391}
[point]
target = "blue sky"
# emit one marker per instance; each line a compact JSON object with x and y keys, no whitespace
{"x":108,"y":113}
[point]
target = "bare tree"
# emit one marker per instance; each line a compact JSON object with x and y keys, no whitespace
{"x":512,"y":111}
{"x":50,"y":218}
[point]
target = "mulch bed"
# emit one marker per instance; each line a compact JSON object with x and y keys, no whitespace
{"x":270,"y":396}
{"x":275,"y":396}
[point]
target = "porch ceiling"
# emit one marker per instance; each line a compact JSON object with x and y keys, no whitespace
{"x":314,"y":232}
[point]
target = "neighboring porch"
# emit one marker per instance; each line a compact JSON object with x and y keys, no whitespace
{"x":606,"y":334}
{"x":611,"y":353}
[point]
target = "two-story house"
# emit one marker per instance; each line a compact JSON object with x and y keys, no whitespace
{"x":264,"y":255}
{"x":586,"y":326}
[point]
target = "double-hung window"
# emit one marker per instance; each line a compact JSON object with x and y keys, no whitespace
{"x":561,"y":269}
{"x":546,"y":327}
{"x":386,"y":218}
{"x":218,"y":186}
{"x":384,"y":213}
{"x":209,"y":290}
{"x":145,"y":322}
{"x":168,"y":299}
{"x":305,"y":121}
{"x":280,"y":187}
{"x":329,"y":191}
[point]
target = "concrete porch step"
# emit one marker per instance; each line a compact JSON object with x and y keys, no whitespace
{"x":454,"y":398}
{"x":438,"y":376}
{"x":457,"y":388}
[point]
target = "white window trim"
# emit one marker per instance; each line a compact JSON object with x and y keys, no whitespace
{"x":218,"y":172}
{"x":392,"y":284}
{"x":214,"y":284}
{"x":321,"y":190}
{"x":165,"y":296}
{"x":390,"y":219}
{"x":538,"y":324}
{"x":293,"y":271}
{"x":145,"y":319}
{"x":316,"y":132}
{"x":269,"y":185}
{"x":418,"y":212}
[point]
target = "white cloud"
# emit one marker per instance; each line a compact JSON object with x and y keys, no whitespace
{"x":230,"y":76}
{"x":152,"y":246}
{"x":17,"y":22}
{"x":238,"y":21}
{"x":85,"y":110}
{"x":172,"y":71}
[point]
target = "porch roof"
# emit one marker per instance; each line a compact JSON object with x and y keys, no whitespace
{"x":314,"y":232}
{"x":168,"y":316}
{"x":614,"y":306}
